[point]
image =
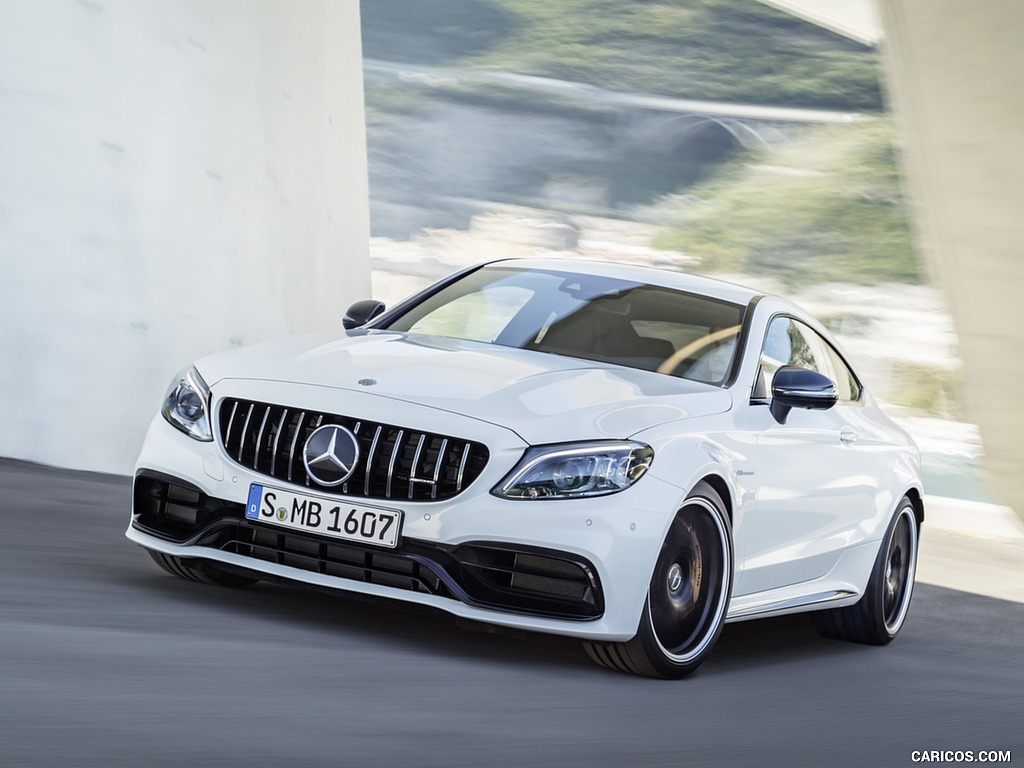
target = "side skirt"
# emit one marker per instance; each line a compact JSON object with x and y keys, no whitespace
{"x":776,"y":607}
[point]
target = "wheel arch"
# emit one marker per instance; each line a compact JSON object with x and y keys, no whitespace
{"x":722,"y":489}
{"x":917,"y":500}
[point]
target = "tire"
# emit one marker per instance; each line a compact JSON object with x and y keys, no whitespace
{"x":688,"y":597}
{"x":877,"y":617}
{"x":208,"y":574}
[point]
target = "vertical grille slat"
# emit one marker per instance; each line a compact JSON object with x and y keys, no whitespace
{"x":369,"y":462}
{"x":355,"y":431}
{"x":227,"y":430}
{"x":415,"y":462}
{"x":259,"y":439}
{"x":391,"y":463}
{"x":245,"y":432}
{"x":310,"y":429}
{"x":295,"y":438}
{"x":394,"y":463}
{"x":462,"y":468}
{"x":277,"y":441}
{"x":437,"y":467}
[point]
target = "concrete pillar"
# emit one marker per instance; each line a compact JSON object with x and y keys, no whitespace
{"x":956,"y":73}
{"x":176,"y":177}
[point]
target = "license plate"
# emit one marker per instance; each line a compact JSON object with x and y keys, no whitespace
{"x":337,"y":518}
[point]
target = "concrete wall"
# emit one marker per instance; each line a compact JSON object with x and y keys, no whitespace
{"x":956,"y":71}
{"x":176,"y":177}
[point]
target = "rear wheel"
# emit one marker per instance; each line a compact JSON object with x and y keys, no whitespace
{"x":688,"y":596}
{"x":208,"y":574}
{"x":877,"y":617}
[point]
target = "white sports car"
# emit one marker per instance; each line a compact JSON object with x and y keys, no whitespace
{"x":626,"y":455}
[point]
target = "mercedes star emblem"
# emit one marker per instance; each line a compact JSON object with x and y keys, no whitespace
{"x":331,"y":454}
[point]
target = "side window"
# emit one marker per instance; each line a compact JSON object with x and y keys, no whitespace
{"x":790,"y":342}
{"x":847,"y":384}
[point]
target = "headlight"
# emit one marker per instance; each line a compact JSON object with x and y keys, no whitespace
{"x":575,"y":470}
{"x":186,"y":403}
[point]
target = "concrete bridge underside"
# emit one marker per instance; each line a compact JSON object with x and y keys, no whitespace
{"x":956,"y":75}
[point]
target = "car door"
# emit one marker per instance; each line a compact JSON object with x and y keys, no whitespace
{"x":812,"y":491}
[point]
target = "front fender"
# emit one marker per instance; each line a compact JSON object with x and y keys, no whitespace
{"x":706,"y":449}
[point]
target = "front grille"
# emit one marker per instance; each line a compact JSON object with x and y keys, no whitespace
{"x":394,"y":463}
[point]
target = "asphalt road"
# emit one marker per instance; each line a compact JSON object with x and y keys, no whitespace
{"x":107,"y":661}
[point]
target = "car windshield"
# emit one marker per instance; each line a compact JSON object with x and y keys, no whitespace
{"x":605,"y":319}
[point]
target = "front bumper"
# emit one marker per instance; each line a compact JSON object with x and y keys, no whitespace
{"x":497,"y":576}
{"x":571,"y":567}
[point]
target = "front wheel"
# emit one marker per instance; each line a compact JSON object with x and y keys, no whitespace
{"x":877,"y":617}
{"x":688,"y":596}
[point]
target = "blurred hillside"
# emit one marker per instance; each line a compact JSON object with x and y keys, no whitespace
{"x":808,"y":205}
{"x":826,"y":207}
{"x":720,"y":50}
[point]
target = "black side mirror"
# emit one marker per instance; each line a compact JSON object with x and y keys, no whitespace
{"x":795,"y":387}
{"x":361,"y":313}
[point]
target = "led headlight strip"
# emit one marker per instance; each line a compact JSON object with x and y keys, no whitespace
{"x":576,"y":470}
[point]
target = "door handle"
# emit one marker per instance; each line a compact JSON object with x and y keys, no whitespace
{"x":847,"y":436}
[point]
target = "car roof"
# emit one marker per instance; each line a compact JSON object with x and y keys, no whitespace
{"x":681,"y":281}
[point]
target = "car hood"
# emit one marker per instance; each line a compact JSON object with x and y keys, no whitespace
{"x":541,"y":397}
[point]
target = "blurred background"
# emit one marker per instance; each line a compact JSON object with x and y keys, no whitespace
{"x":179,"y":177}
{"x":724,"y":137}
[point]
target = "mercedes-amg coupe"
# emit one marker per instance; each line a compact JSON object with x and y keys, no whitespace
{"x":626,"y":455}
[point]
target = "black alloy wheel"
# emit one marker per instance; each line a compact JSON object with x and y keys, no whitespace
{"x":688,"y":597}
{"x":878,"y":616}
